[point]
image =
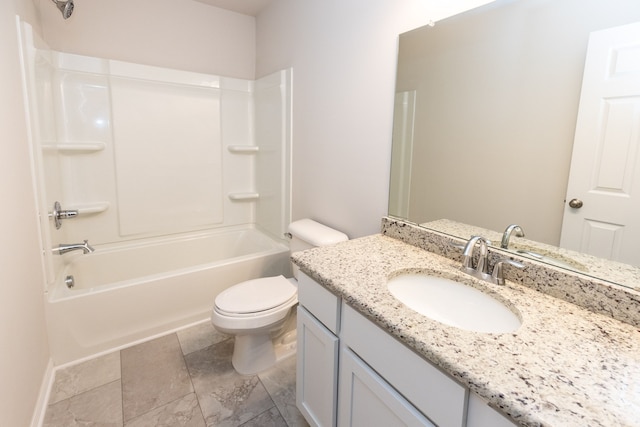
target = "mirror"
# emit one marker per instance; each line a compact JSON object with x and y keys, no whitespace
{"x":485,"y":116}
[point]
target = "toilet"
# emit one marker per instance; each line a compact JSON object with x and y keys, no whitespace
{"x":259,"y":311}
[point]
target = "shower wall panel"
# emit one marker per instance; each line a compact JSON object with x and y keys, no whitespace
{"x":167,"y":155}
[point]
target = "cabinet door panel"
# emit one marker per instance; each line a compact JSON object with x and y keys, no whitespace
{"x":317,"y":371}
{"x":367,"y":400}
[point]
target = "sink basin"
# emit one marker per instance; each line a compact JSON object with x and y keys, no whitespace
{"x":453,"y":303}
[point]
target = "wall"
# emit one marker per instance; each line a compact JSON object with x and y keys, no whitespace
{"x":25,"y":354}
{"x":344,"y":58}
{"x":183,"y":34}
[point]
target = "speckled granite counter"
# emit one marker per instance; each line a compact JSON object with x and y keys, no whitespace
{"x":565,"y":366}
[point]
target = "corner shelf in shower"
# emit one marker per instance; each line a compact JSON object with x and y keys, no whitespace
{"x":243,"y":149}
{"x":90,"y":208}
{"x":75,"y":147}
{"x":238,"y":197}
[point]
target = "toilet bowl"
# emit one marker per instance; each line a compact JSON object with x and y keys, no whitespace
{"x":261,"y":312}
{"x":256,"y":312}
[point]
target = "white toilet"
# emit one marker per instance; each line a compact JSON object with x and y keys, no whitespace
{"x":258,"y":312}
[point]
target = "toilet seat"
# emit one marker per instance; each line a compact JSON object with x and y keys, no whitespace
{"x":257,"y":297}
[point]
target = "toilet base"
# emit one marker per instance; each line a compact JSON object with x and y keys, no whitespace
{"x":254,"y":353}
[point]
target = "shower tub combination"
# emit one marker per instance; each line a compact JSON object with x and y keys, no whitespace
{"x":126,"y":293}
{"x":220,"y":160}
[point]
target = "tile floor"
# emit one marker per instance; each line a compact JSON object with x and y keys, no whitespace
{"x":181,"y":379}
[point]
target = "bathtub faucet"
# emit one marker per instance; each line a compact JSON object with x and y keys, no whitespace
{"x":63,"y":248}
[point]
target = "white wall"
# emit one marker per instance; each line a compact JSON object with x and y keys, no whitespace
{"x":25,"y":352}
{"x":343,"y":54}
{"x":181,"y":34}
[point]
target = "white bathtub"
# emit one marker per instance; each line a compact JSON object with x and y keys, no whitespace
{"x":126,"y":293}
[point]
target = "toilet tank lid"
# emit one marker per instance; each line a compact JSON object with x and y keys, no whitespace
{"x":316,"y":234}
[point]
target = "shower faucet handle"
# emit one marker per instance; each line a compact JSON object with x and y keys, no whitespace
{"x":59,"y":214}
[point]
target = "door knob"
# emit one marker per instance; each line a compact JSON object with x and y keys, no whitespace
{"x":575,"y":203}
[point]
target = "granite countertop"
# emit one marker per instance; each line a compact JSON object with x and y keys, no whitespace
{"x":564,"y":366}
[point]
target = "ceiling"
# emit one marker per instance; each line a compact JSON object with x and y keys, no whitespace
{"x":246,"y":7}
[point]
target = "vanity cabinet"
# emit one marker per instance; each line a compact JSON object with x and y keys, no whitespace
{"x":381,"y":382}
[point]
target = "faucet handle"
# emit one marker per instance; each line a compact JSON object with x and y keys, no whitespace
{"x":498,"y":269}
{"x":58,"y":214}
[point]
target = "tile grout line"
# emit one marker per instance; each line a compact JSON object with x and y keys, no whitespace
{"x":274,"y":402}
{"x":184,"y":360}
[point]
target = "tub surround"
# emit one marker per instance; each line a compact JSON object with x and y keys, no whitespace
{"x":566,"y":365}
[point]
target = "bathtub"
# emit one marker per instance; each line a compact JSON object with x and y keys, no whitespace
{"x":123,"y":294}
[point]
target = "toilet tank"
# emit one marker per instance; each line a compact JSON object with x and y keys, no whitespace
{"x":307,"y":234}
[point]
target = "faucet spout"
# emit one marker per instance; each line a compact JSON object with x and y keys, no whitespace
{"x":467,"y":254}
{"x":513,"y":228}
{"x":63,"y":248}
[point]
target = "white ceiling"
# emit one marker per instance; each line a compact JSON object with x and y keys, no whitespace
{"x":246,"y":7}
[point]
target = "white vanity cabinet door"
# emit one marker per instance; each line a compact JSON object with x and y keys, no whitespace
{"x":367,"y":400}
{"x":479,"y":414}
{"x":317,"y":371}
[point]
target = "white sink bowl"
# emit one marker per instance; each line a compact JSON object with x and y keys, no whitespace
{"x":453,"y":303}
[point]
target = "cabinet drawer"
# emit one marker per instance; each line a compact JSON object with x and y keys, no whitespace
{"x":434,"y":393}
{"x":324,"y":305}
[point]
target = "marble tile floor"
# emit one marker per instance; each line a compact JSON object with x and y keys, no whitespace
{"x":181,"y":379}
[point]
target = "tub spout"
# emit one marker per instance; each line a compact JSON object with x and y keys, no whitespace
{"x":63,"y":248}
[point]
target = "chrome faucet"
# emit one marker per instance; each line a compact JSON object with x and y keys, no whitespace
{"x":63,"y":248}
{"x":513,"y":228}
{"x":467,"y":256}
{"x":481,"y":271}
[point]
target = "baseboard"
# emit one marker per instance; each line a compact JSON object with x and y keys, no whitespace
{"x":43,"y":397}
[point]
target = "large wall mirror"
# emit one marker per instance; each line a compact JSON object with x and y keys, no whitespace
{"x":486,"y":110}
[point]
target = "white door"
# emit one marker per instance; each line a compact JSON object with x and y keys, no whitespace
{"x":602,"y":212}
